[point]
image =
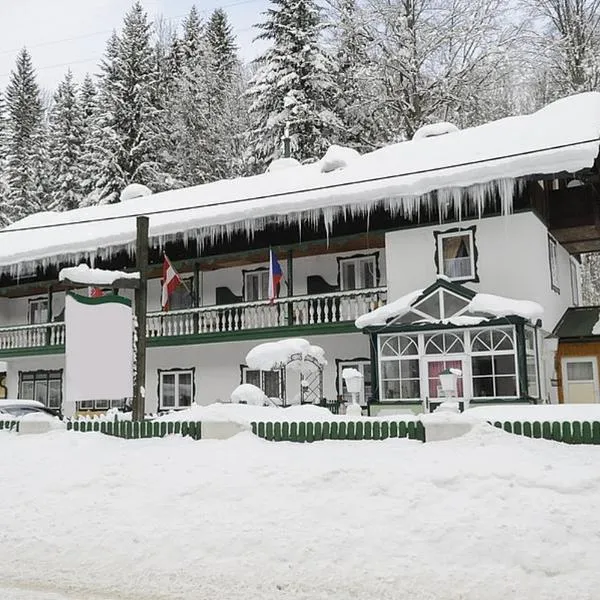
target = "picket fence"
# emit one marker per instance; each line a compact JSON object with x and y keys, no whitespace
{"x":338,"y":430}
{"x":133,"y":430}
{"x":569,"y":432}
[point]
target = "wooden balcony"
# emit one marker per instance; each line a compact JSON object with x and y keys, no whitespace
{"x":296,"y":315}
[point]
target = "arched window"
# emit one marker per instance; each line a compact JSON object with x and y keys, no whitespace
{"x":444,"y":343}
{"x":399,"y":367}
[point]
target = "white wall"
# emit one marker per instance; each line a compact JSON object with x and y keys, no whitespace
{"x":512,"y":262}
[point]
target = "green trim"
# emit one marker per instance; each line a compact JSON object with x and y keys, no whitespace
{"x":451,"y":286}
{"x":36,"y":351}
{"x":374,"y":349}
{"x":522,"y":359}
{"x":106,"y":299}
{"x":253,"y":334}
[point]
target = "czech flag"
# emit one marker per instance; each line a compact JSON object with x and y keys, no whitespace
{"x":275,"y":275}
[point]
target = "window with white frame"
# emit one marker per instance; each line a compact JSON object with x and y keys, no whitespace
{"x":181,"y":297}
{"x":456,"y":254}
{"x":575,"y":290}
{"x":364,"y":368}
{"x":256,"y":285}
{"x":176,"y":388}
{"x":399,"y":368}
{"x":100,"y":404}
{"x":37,"y":311}
{"x":358,"y":272}
{"x":270,"y":382}
{"x":532,"y":367}
{"x":493,"y":363}
{"x":553,"y":258}
{"x":43,"y":386}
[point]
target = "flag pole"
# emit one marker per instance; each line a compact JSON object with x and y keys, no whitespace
{"x":141,"y":302}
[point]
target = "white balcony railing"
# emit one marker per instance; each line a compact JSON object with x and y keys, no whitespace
{"x":337,"y":307}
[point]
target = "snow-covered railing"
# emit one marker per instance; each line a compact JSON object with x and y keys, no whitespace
{"x":32,"y":336}
{"x":336,"y":307}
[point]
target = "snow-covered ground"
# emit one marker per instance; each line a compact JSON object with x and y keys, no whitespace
{"x":489,"y":515}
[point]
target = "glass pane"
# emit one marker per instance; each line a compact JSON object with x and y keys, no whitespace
{"x":348,"y":276}
{"x":367,"y":373}
{"x":501,"y":340}
{"x":391,"y":390}
{"x":409,"y":369}
{"x":390,"y":369}
{"x":86,"y":405}
{"x":529,"y":340}
{"x":482,"y":342}
{"x":168,"y":390}
{"x":452,"y":304}
{"x":181,"y":298}
{"x":456,"y":256}
{"x":483,"y":387}
{"x":26,"y":390}
{"x":506,"y":386}
{"x":411,"y":389}
{"x":264,"y":285}
{"x":252,"y":377}
{"x":431,"y":306}
{"x":389,"y":346}
{"x":41,"y":391}
{"x":102,"y":404}
{"x":580,"y":371}
{"x":408,"y":346}
{"x":434,"y":344}
{"x":185,"y":389}
{"x":367,"y":266}
{"x":453,"y":343}
{"x":271,"y":384}
{"x":532,"y":382}
{"x":54,"y":393}
{"x":481,"y":365}
{"x":505,"y":364}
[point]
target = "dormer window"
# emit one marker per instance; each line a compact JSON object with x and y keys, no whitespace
{"x":358,"y":272}
{"x":456,"y":255}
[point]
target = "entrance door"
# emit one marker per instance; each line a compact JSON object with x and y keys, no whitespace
{"x":580,"y":380}
{"x":434,"y":368}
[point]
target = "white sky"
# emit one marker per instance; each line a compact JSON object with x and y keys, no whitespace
{"x":73,"y":33}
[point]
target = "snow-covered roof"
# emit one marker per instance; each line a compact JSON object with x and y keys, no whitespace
{"x":86,"y":276}
{"x":469,"y":163}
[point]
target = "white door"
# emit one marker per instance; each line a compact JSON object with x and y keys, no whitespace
{"x":580,"y":380}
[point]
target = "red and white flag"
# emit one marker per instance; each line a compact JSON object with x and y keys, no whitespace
{"x":95,"y":292}
{"x":170,"y":280}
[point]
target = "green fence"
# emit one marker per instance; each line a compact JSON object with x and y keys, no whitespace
{"x":570,"y":432}
{"x":338,"y":430}
{"x":139,"y":429}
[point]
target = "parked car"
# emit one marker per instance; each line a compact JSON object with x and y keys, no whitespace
{"x":20,"y":408}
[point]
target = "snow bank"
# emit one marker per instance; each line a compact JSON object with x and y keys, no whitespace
{"x":537,"y":412}
{"x":434,"y":129}
{"x":86,"y":276}
{"x":274,"y":355}
{"x":338,"y":157}
{"x":280,"y":164}
{"x":467,"y":165}
{"x":487,"y":515}
{"x":392,"y":310}
{"x":504,"y":307}
{"x":249,"y":394}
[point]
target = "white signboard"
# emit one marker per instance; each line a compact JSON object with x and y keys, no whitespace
{"x":98,"y":347}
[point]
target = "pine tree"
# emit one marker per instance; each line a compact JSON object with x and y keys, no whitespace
{"x":128,"y":115}
{"x":293,"y":86}
{"x":91,"y":137}
{"x":222,"y":45}
{"x":65,"y":147}
{"x":25,"y":142}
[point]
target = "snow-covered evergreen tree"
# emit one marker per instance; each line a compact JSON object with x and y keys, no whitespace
{"x":219,"y":35}
{"x":128,"y":116}
{"x":65,"y":147}
{"x":25,"y":143}
{"x":293,"y":86}
{"x":91,"y":136}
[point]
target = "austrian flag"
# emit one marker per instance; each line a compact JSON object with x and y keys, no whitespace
{"x":170,"y":280}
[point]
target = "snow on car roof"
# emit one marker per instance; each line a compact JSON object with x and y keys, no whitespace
{"x":471,"y":163}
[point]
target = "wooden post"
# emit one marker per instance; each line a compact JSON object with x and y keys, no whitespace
{"x":49,"y":316}
{"x":290,"y":286}
{"x":141,"y":302}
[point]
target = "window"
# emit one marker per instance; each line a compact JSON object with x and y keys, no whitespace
{"x":43,"y":386}
{"x":399,"y":364}
{"x":268,"y":381}
{"x":357,"y":273}
{"x":493,"y":364}
{"x":574,"y":272}
{"x":256,"y":285}
{"x":181,"y":297}
{"x":456,"y":254}
{"x":553,"y":258}
{"x":37,"y":311}
{"x":100,"y":404}
{"x":364,"y":367}
{"x":176,"y":388}
{"x":444,"y":343}
{"x":531,"y":358}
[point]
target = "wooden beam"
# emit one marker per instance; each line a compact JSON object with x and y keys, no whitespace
{"x":141,"y":309}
